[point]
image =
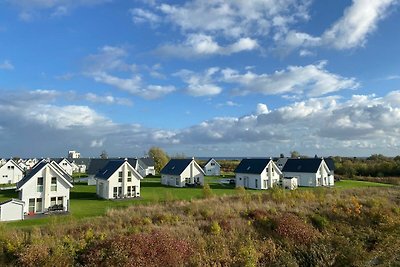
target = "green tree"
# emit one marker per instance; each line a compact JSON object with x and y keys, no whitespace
{"x":160,"y":158}
{"x":294,"y":154}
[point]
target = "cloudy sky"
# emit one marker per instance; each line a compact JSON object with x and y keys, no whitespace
{"x":199,"y":77}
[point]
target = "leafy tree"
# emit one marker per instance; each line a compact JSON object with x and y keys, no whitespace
{"x":160,"y":158}
{"x":104,"y":155}
{"x":294,"y":154}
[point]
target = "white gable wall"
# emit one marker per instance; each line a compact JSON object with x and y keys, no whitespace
{"x":10,"y":173}
{"x":267,"y":179}
{"x":212,"y":168}
{"x":320,"y":178}
{"x":192,"y":174}
{"x":30,"y":191}
{"x":105,"y":188}
{"x":12,"y":211}
{"x":66,"y":166}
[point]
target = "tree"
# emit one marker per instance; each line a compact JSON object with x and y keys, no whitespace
{"x":104,"y":155}
{"x":160,"y":158}
{"x":294,"y":154}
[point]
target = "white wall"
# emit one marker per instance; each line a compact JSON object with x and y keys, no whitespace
{"x":108,"y":185}
{"x":9,"y":173}
{"x":212,"y":170}
{"x":267,"y":179}
{"x":66,"y":166}
{"x":11,"y":211}
{"x":192,"y":173}
{"x":29,"y":189}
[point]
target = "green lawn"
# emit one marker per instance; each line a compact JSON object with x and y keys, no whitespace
{"x":84,"y":202}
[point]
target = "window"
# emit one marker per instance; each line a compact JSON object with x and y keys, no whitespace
{"x":120,"y":174}
{"x":115,"y":192}
{"x":60,"y":201}
{"x":212,"y":164}
{"x":39,"y":206}
{"x":177,"y":181}
{"x":120,"y":191}
{"x":53,"y":201}
{"x":40,"y":184}
{"x":256,"y":183}
{"x":120,"y":177}
{"x":129,"y":176}
{"x":53,"y":183}
{"x":31,"y":205}
{"x":129,"y":193}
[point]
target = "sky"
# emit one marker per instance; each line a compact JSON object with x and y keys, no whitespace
{"x":200,"y":78}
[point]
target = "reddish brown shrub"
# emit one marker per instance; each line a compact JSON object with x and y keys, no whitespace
{"x":144,"y":249}
{"x":292,"y":227}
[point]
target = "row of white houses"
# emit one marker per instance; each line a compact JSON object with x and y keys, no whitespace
{"x":47,"y":186}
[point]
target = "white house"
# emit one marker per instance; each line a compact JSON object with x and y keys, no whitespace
{"x":212,"y":167}
{"x":290,"y":183}
{"x":181,"y":173}
{"x":72,"y":154}
{"x":65,"y":165}
{"x":45,"y":188}
{"x":10,"y":172}
{"x":257,"y":174}
{"x":30,"y":163}
{"x":118,"y":179}
{"x":2,"y":161}
{"x":23,"y":165}
{"x":12,"y":210}
{"x":145,"y":166}
{"x":309,"y":172}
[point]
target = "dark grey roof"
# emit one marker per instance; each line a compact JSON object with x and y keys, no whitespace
{"x":31,"y":173}
{"x":108,"y":170}
{"x":309,"y":165}
{"x":96,"y":165}
{"x":81,"y":161}
{"x":175,"y":166}
{"x":147,"y":161}
{"x":254,"y":166}
{"x":330,"y":163}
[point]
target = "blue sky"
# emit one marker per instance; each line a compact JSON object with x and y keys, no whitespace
{"x":203,"y":78}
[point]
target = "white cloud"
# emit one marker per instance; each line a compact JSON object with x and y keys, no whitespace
{"x":228,"y":103}
{"x":203,"y":45}
{"x":108,"y":65}
{"x":6,"y":65}
{"x":200,"y":84}
{"x":358,"y":21}
{"x":140,"y":15}
{"x":97,"y":143}
{"x":108,"y":99}
{"x":262,"y":109}
{"x":314,"y":80}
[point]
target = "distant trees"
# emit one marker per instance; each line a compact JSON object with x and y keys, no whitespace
{"x":294,"y":154}
{"x":160,"y":158}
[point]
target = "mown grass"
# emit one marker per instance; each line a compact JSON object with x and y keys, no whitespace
{"x":85,"y":203}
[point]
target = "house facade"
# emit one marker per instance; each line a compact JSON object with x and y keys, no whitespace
{"x":212,"y":168}
{"x":12,"y":210}
{"x":118,"y":179}
{"x":257,"y":174}
{"x":310,"y":172}
{"x":181,"y":173}
{"x":10,"y":172}
{"x":145,"y":166}
{"x":45,"y":188}
{"x":66,"y":165}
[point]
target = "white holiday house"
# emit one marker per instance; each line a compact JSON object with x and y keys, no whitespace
{"x":45,"y":188}
{"x":12,"y":210}
{"x":118,"y":179}
{"x":257,"y":174}
{"x":309,"y":172}
{"x":181,"y":173}
{"x":212,"y":168}
{"x":10,"y":172}
{"x":66,"y":165}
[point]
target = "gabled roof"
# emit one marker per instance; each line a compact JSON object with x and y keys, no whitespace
{"x":18,"y":201}
{"x":176,"y":166}
{"x":39,"y":167}
{"x":58,"y":160}
{"x":253,"y":166}
{"x":149,"y":162}
{"x":330,"y":163}
{"x":15,"y":164}
{"x":111,"y":167}
{"x":96,"y":165}
{"x":310,"y":165}
{"x":208,"y":161}
{"x":61,"y":171}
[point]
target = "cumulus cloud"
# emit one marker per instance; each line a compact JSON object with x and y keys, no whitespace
{"x":6,"y":65}
{"x":203,"y":45}
{"x":108,"y":99}
{"x":313,"y":80}
{"x":140,"y":15}
{"x":109,"y":65}
{"x":200,"y":84}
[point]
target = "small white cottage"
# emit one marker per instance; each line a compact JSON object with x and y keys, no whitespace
{"x":65,"y":165}
{"x":290,"y":183}
{"x":212,"y":168}
{"x":12,"y":210}
{"x":118,"y":179}
{"x":181,"y":173}
{"x":310,"y":172}
{"x":257,"y":174}
{"x":10,"y":172}
{"x":45,"y":188}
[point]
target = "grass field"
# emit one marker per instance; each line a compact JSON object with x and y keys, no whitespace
{"x":84,"y":202}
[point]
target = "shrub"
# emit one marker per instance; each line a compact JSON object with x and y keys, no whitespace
{"x":215,"y":228}
{"x":319,"y":221}
{"x":292,"y":227}
{"x":207,"y":192}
